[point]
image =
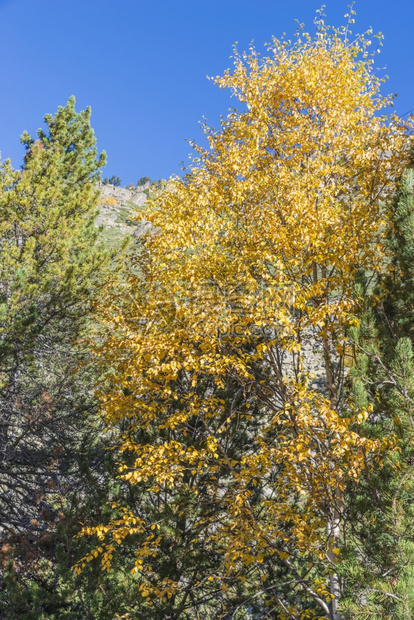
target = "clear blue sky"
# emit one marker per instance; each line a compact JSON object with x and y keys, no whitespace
{"x":142,"y":66}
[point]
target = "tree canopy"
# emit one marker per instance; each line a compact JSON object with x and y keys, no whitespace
{"x":228,"y":344}
{"x":222,"y":427}
{"x":52,"y":267}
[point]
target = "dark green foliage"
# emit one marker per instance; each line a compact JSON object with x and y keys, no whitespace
{"x":379,"y":554}
{"x":52,"y":454}
{"x":51,"y":269}
{"x":398,"y":307}
{"x":143,"y":181}
{"x":38,"y":582}
{"x":113,"y":180}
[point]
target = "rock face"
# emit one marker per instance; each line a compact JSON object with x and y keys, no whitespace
{"x":136,"y":196}
{"x":119,"y":207}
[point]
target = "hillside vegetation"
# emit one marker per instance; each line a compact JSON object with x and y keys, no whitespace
{"x":206,"y":385}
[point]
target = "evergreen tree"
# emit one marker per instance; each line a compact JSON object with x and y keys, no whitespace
{"x":52,"y":458}
{"x":113,"y":180}
{"x":50,"y":270}
{"x":379,"y":565}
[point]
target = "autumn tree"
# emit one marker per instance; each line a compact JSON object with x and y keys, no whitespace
{"x":228,"y":344}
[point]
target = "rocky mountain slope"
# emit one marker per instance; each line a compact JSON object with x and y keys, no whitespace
{"x":118,"y":208}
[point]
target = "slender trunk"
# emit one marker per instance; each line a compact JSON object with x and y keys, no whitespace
{"x":334,"y":533}
{"x":335,"y":519}
{"x":6,"y":410}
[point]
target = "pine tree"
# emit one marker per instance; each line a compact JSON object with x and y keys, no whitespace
{"x":379,"y":570}
{"x":55,"y":470}
{"x":52,"y":267}
{"x":50,"y":271}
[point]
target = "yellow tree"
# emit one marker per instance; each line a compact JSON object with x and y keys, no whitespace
{"x":228,"y":344}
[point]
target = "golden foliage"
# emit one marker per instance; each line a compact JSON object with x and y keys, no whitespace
{"x":109,"y":200}
{"x":250,"y":266}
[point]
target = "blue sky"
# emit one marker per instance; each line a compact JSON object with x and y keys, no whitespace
{"x":142,"y":66}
